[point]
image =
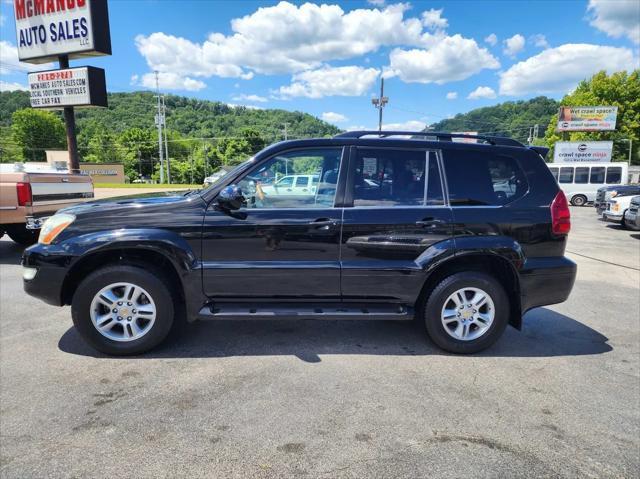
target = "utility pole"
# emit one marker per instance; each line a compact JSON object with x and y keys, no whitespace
{"x":286,"y":136}
{"x":166,"y":146}
{"x":380,"y":103}
{"x":70,"y":125}
{"x":159,"y":123}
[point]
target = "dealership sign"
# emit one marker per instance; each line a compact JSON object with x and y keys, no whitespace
{"x":587,"y":118}
{"x":83,"y":86}
{"x":47,"y":29}
{"x":582,"y":151}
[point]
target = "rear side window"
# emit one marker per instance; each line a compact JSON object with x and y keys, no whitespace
{"x":478,"y":178}
{"x":302,"y":181}
{"x":566,"y":174}
{"x":582,"y":175}
{"x":389,"y":177}
{"x":614,"y":175}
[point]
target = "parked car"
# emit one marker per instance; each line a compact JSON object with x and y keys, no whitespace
{"x":581,"y":183}
{"x":631,"y":218}
{"x":440,"y":239}
{"x":28,"y":195}
{"x":606,"y":193}
{"x":209,"y":180}
{"x":616,"y":209}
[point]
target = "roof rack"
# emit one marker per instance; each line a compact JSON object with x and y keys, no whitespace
{"x":442,"y":136}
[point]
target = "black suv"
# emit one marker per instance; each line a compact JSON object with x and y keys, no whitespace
{"x":464,"y":236}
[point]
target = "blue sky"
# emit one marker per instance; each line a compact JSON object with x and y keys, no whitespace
{"x":438,"y":58}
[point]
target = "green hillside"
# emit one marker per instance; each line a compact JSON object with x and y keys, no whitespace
{"x":512,"y":118}
{"x":187,"y":116}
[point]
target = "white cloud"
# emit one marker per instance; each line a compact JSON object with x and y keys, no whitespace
{"x":482,"y":92}
{"x":168,"y":81}
{"x":450,"y":59}
{"x":432,"y":19}
{"x":492,"y":39}
{"x":284,"y":38}
{"x":452,"y":95}
{"x":330,"y":81}
{"x":411,"y":125}
{"x":12,"y":86}
{"x":513,"y":45}
{"x":9,"y":61}
{"x":560,"y":69}
{"x":616,"y":18}
{"x":333,"y":117}
{"x":539,"y":40}
{"x":250,"y":98}
{"x":248,"y":107}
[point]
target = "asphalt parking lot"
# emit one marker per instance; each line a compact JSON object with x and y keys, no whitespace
{"x":334,"y":399}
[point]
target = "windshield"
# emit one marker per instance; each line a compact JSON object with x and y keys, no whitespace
{"x":231,"y":173}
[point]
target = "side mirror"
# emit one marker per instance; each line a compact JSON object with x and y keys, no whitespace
{"x":230,"y":198}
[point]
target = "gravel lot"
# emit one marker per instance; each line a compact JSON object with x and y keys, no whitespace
{"x":334,"y":399}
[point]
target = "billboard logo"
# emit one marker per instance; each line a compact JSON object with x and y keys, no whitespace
{"x":582,"y":147}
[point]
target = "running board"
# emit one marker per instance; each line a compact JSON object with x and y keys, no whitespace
{"x":332,"y":311}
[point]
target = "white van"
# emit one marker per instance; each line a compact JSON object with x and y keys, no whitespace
{"x":580,"y":182}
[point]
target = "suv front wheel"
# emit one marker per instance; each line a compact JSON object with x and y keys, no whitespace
{"x":467,"y":312}
{"x":123,"y":310}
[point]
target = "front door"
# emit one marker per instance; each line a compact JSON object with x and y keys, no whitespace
{"x":395,"y":210}
{"x":284,"y":242}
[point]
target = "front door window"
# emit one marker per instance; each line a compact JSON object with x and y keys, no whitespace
{"x":295,"y":179}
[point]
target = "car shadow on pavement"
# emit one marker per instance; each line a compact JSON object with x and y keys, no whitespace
{"x":10,"y":253}
{"x":545,"y":334}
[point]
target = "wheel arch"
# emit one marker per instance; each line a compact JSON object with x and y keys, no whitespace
{"x":143,"y":257}
{"x":494,"y":264}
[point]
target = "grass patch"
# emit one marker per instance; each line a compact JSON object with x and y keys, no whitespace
{"x":146,"y":185}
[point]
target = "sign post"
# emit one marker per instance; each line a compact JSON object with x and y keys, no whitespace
{"x":70,"y":125}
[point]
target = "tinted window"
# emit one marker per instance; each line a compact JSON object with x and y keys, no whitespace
{"x":387,"y":177}
{"x":269,"y":185}
{"x":597,"y":174}
{"x":554,"y":172}
{"x":478,"y":178}
{"x":614,"y":174}
{"x":566,"y":174}
{"x":582,"y":175}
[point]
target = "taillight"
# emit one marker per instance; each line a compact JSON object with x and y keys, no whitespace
{"x":24,"y":194}
{"x":560,"y":215}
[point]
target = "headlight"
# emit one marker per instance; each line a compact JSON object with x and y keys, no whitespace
{"x":54,"y":226}
{"x":616,"y":207}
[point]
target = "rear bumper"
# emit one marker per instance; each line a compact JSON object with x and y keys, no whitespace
{"x":545,"y":281}
{"x":51,"y":269}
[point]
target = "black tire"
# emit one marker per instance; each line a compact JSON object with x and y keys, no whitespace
{"x":151,"y":281}
{"x":623,"y":222}
{"x":436,"y":302}
{"x":21,"y":235}
{"x":579,"y":200}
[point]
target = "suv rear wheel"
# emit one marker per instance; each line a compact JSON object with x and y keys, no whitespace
{"x":467,"y":312}
{"x":123,"y":310}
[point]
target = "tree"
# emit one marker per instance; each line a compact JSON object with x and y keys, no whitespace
{"x":35,"y":131}
{"x":620,"y":89}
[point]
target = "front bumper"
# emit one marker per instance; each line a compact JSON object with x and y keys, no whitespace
{"x":545,"y":281}
{"x":51,"y":265}
{"x":612,"y":217}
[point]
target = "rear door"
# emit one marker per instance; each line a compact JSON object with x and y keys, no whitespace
{"x":394,"y":211}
